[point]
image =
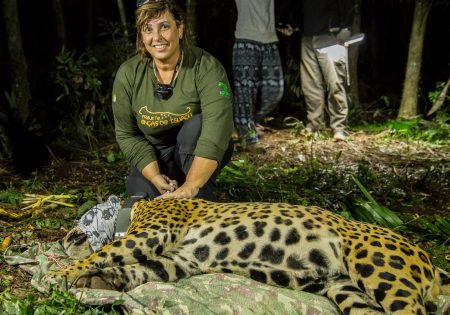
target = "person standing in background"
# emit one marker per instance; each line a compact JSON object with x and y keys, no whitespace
{"x":257,"y":69}
{"x":323,"y":77}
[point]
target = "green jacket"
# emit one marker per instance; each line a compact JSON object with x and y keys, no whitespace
{"x":143,"y":120}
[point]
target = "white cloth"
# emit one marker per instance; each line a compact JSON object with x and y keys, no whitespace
{"x":256,"y":21}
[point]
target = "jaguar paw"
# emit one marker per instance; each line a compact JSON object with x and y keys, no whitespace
{"x":93,"y":282}
{"x":57,"y":278}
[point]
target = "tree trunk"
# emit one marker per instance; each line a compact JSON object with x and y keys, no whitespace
{"x":191,"y":23}
{"x":60,"y":22}
{"x":353,"y":56}
{"x":20,"y":89}
{"x":123,"y":16}
{"x":408,"y":105}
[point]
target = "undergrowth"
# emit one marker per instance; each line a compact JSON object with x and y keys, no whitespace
{"x":433,"y":131}
{"x":329,"y":186}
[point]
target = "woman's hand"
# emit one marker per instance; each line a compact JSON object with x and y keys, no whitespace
{"x":187,"y":190}
{"x":199,"y":173}
{"x":164,"y":184}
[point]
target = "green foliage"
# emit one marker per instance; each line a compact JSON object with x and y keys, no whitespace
{"x":298,"y":128}
{"x":308,"y":182}
{"x":85,"y":207}
{"x":84,"y":84}
{"x":110,"y":157}
{"x":295,"y":124}
{"x":425,"y":228}
{"x":435,"y":131}
{"x":78,"y":78}
{"x":60,"y":302}
{"x":51,"y":224}
{"x":244,"y":180}
{"x":80,"y":98}
{"x":13,"y":305}
{"x":11,"y":196}
{"x":405,"y":127}
{"x":339,"y":190}
{"x":386,"y":199}
{"x":373,"y":127}
{"x":433,"y":95}
{"x":371,"y":211}
{"x":32,"y":184}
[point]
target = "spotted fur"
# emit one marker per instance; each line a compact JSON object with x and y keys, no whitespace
{"x":362,"y":268}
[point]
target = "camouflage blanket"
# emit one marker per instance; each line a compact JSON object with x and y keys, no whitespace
{"x":203,"y":294}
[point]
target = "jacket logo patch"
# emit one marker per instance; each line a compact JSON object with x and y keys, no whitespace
{"x":157,"y":119}
{"x":224,"y":91}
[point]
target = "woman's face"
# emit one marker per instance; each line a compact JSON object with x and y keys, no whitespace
{"x":161,"y":37}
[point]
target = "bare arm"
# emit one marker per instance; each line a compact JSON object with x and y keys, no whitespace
{"x":199,"y":173}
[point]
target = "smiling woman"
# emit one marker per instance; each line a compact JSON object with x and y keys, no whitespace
{"x":172,"y":109}
{"x":160,"y":36}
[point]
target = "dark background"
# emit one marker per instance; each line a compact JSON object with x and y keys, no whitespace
{"x":381,"y":63}
{"x":382,"y":56}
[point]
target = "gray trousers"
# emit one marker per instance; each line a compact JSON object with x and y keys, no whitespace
{"x":258,"y":83}
{"x":323,"y":84}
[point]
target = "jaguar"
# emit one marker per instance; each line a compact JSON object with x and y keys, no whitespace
{"x":362,"y":268}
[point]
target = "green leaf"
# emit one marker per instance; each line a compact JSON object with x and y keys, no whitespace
{"x":11,"y":197}
{"x":111,"y":157}
{"x":375,"y":212}
{"x":51,"y":224}
{"x":232,"y":171}
{"x":442,"y":224}
{"x":85,"y":207}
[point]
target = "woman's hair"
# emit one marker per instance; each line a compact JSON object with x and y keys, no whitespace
{"x":153,"y":9}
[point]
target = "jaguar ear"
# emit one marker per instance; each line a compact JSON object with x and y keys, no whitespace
{"x":76,"y":236}
{"x":76,"y":244}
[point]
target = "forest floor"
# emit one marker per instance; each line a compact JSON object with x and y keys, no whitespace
{"x":381,"y":152}
{"x":416,"y":167}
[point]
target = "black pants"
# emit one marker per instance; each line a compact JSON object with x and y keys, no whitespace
{"x":175,"y":162}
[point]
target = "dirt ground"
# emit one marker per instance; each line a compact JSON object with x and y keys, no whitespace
{"x":381,"y":151}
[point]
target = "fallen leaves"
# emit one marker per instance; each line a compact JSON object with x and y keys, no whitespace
{"x":6,"y":242}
